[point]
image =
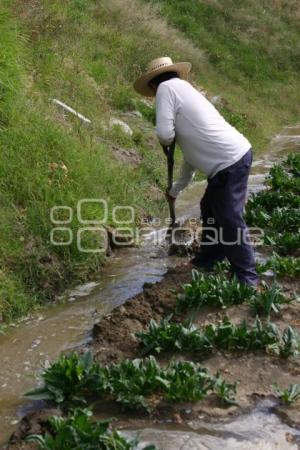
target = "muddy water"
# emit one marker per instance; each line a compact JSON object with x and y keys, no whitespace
{"x":29,"y":347}
{"x":258,"y":430}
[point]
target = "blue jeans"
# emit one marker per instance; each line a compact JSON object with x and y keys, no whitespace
{"x":222,"y":208}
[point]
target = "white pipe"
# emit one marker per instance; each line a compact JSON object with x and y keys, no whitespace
{"x":71,"y":110}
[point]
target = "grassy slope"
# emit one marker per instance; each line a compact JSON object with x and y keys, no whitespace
{"x":87,"y":53}
{"x":252,"y":51}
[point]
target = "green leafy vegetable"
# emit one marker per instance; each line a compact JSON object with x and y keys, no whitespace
{"x":269,"y":300}
{"x":288,"y":396}
{"x":81,"y":432}
{"x":213,"y":290}
{"x":281,"y":266}
{"x":225,"y":335}
{"x":133,"y":383}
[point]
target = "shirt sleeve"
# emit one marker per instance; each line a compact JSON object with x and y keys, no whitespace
{"x":165,"y":115}
{"x":186,"y":175}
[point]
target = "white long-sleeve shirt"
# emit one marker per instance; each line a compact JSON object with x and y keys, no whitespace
{"x":207,"y":141}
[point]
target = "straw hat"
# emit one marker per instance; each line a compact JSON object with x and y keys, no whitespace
{"x":156,"y":67}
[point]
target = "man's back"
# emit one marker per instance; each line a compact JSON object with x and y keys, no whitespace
{"x":208,"y":142}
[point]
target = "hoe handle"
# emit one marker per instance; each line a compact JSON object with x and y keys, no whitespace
{"x":169,"y":152}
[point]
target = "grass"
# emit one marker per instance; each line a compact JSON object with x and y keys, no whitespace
{"x":37,"y":141}
{"x":87,"y":54}
{"x":255,"y":75}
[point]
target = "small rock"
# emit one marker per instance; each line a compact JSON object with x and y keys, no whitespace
{"x":35,"y":343}
{"x":290,"y":438}
{"x":117,"y":122}
{"x":14,"y":422}
{"x":122,"y":310}
{"x":177,"y":418}
{"x":216,"y":100}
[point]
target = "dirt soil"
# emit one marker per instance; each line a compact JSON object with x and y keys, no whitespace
{"x":113,"y":339}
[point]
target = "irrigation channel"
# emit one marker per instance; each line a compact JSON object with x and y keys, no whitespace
{"x":31,"y":345}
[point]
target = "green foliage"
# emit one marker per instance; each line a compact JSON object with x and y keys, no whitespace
{"x":267,"y":201}
{"x":269,"y":300}
{"x":279,"y":179}
{"x":237,"y":52}
{"x":147,"y":111}
{"x":213,"y":290}
{"x":13,"y":296}
{"x":293,"y":164}
{"x":88,"y":54}
{"x":226,"y":392}
{"x":50,"y":159}
{"x":285,"y":243}
{"x":70,"y":380}
{"x":168,"y":336}
{"x":80,"y":431}
{"x":288,"y":396}
{"x":277,"y":209}
{"x":281,"y":266}
{"x":290,"y":343}
{"x":279,"y":220}
{"x":131,"y":383}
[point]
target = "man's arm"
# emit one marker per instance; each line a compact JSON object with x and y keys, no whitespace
{"x":186,"y":175}
{"x":165,"y":115}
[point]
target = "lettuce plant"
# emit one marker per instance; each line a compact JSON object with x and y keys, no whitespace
{"x":132,"y":382}
{"x":276,"y":210}
{"x":281,"y":266}
{"x":213,"y":290}
{"x":288,"y":396}
{"x":285,"y":243}
{"x":281,"y":179}
{"x":269,"y":300}
{"x":81,"y":432}
{"x":293,"y":164}
{"x":225,"y":335}
{"x":70,"y":380}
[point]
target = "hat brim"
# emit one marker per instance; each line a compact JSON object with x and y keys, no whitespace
{"x":142,"y":84}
